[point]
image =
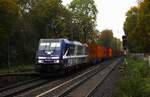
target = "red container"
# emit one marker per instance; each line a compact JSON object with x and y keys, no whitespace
{"x":97,"y":51}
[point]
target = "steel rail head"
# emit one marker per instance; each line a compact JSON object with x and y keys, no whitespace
{"x":69,"y":84}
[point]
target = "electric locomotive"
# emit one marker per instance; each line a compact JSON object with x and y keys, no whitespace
{"x":60,"y":54}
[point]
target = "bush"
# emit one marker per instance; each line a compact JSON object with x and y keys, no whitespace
{"x":135,"y":81}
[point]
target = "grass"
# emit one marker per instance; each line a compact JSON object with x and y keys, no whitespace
{"x":135,"y":80}
{"x":16,"y":69}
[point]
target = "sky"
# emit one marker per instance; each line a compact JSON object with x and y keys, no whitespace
{"x":111,"y":14}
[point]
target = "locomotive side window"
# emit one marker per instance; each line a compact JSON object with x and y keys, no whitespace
{"x":84,"y":51}
{"x":79,"y":50}
{"x":71,"y":50}
{"x":66,"y":48}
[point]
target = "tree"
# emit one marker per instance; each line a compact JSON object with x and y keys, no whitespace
{"x":143,"y":28}
{"x":85,"y":16}
{"x":49,"y":18}
{"x":130,"y":26}
{"x":116,"y":44}
{"x":106,"y":37}
{"x":137,"y":27}
{"x":9,"y":12}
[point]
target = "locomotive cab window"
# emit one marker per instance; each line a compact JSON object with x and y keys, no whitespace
{"x":49,"y":46}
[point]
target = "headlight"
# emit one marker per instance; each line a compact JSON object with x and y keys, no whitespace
{"x":56,"y":61}
{"x":40,"y":61}
{"x":41,"y":57}
{"x":55,"y":57}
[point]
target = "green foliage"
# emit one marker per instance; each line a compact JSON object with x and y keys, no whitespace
{"x":108,"y":40}
{"x":8,"y":15}
{"x":136,"y":79}
{"x":84,"y":7}
{"x":106,"y":37}
{"x":137,"y":27}
{"x":84,"y":16}
{"x":9,"y":12}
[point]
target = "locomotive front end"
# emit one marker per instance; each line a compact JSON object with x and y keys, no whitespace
{"x":48,"y":56}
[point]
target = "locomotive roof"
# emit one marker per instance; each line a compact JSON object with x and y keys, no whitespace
{"x":65,"y":40}
{"x":72,"y":42}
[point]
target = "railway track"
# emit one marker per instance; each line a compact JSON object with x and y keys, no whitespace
{"x":19,"y":74}
{"x":24,"y":88}
{"x":50,"y":85}
{"x":18,"y":84}
{"x":7,"y":80}
{"x":69,"y":87}
{"x":15,"y":89}
{"x":57,"y":87}
{"x":88,"y":88}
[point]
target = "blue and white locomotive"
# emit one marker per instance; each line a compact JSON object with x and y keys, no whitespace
{"x":60,"y":54}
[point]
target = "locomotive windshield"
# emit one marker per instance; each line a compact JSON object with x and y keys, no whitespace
{"x":49,"y":46}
